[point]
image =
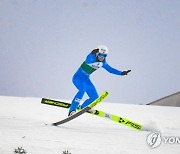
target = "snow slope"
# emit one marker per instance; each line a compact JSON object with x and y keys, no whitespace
{"x":22,"y":123}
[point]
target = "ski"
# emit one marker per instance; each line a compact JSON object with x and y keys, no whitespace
{"x":90,"y":106}
{"x":55,"y":103}
{"x":118,"y":119}
{"x":102,"y":114}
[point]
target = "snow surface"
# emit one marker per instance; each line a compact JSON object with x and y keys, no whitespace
{"x":22,"y":124}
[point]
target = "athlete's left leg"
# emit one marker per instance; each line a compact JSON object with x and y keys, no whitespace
{"x":91,"y":92}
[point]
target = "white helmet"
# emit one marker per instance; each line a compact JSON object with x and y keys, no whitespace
{"x":102,"y":49}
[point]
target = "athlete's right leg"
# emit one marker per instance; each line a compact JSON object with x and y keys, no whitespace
{"x":80,"y":85}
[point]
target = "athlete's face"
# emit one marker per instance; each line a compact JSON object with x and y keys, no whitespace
{"x":101,"y":56}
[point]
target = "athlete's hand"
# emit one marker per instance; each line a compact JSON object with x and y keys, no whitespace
{"x":125,"y":72}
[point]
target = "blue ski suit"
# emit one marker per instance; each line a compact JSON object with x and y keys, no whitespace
{"x":81,"y":80}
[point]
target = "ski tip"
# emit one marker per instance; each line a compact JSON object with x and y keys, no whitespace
{"x":54,"y":124}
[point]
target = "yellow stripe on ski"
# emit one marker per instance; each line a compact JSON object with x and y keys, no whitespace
{"x":119,"y":119}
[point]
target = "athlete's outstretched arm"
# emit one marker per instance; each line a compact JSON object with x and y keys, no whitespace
{"x":114,"y":71}
{"x":111,"y":70}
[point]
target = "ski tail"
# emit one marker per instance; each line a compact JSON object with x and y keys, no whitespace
{"x":99,"y":99}
{"x":55,"y":103}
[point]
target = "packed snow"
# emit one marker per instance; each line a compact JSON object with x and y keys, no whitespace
{"x":26,"y":123}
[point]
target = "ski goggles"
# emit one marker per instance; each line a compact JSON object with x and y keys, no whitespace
{"x":102,"y":55}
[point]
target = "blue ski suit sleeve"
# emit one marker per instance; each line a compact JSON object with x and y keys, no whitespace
{"x":90,"y":58}
{"x":110,"y":69}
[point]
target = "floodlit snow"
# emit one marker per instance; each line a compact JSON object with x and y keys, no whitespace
{"x":23,"y":124}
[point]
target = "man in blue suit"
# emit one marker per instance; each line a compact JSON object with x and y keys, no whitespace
{"x":81,"y":79}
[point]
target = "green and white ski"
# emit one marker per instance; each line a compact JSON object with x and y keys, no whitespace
{"x":90,"y":106}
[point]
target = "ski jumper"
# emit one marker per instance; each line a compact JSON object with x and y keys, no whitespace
{"x":81,"y":80}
